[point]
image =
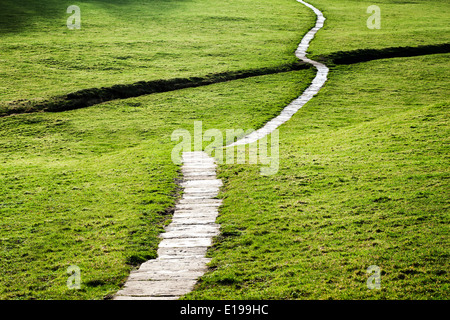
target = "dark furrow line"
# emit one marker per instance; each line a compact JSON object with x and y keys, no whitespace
{"x":364,"y":55}
{"x":89,"y":97}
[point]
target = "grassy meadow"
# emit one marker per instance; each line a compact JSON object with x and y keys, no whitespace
{"x":403,"y":23}
{"x":93,"y":187}
{"x":126,"y":41}
{"x":363,"y":180}
{"x":363,"y":176}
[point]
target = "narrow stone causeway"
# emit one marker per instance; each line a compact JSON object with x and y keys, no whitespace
{"x":181,"y":253}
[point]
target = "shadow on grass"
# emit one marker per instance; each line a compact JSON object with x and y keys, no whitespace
{"x":17,"y":16}
{"x":364,"y":55}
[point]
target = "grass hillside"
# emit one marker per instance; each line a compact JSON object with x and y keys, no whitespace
{"x":363,"y":180}
{"x":93,"y":187}
{"x":403,"y":23}
{"x":125,"y":41}
{"x":363,"y":176}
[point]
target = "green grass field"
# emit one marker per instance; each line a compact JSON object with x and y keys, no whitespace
{"x":91,"y":187}
{"x":363,"y":181}
{"x":125,"y":41}
{"x":403,"y":23}
{"x":363,"y":176}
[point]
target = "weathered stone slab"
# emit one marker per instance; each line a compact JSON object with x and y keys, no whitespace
{"x":192,"y":197}
{"x":195,"y":214}
{"x":215,"y":202}
{"x":193,"y":253}
{"x":145,"y":298}
{"x":195,"y":233}
{"x":156,"y":265}
{"x":202,"y":183}
{"x":194,"y":220}
{"x":157,"y":288}
{"x":195,"y":206}
{"x":210,"y":216}
{"x":161,"y":275}
{"x":185,"y":242}
{"x":200,"y":176}
{"x":200,"y":165}
{"x":208,"y":190}
{"x":193,"y":228}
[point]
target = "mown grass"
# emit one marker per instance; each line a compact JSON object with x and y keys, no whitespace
{"x":126,"y":41}
{"x":363,"y":180}
{"x":404,"y":23}
{"x":363,"y":175}
{"x":93,"y":187}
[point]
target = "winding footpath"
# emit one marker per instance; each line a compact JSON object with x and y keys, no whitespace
{"x":181,"y":253}
{"x":313,"y":89}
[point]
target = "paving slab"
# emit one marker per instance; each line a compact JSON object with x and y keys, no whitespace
{"x":154,"y":288}
{"x":186,"y":242}
{"x":193,"y":253}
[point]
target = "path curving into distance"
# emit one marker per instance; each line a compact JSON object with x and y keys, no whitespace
{"x":181,"y":253}
{"x":312,"y":90}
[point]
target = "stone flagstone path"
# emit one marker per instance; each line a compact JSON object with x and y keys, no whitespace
{"x":313,"y":89}
{"x":181,"y":253}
